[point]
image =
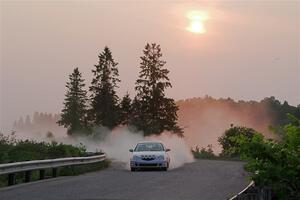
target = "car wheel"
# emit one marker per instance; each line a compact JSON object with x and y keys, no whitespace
{"x":165,"y":169}
{"x":132,"y":169}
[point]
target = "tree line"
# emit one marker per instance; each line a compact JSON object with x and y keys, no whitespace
{"x":150,"y":111}
{"x":39,"y":119}
{"x":268,"y":107}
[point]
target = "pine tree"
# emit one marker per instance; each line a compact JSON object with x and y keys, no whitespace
{"x":27,"y":125}
{"x":74,"y":113}
{"x":15,"y":125}
{"x":125,"y":107}
{"x":20,"y":123}
{"x":152,"y":111}
{"x":104,"y":101}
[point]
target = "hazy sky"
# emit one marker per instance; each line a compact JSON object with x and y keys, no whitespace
{"x":250,"y":49}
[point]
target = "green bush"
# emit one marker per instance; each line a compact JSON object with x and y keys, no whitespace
{"x":229,"y":143}
{"x":274,"y":163}
{"x":13,"y":150}
{"x":204,"y":153}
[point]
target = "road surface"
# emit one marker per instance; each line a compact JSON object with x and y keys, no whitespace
{"x":203,"y":179}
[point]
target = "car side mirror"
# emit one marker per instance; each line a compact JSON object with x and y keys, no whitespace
{"x":168,"y":150}
{"x":130,"y":150}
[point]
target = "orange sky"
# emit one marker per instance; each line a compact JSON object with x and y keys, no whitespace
{"x":249,"y":50}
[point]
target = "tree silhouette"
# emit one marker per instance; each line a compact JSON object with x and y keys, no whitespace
{"x":104,"y":101}
{"x":74,"y":113}
{"x":126,"y":107}
{"x":153,"y":112}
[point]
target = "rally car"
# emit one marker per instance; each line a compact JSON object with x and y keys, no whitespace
{"x":149,"y":155}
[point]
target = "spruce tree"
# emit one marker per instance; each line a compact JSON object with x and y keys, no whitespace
{"x":154,"y":113}
{"x":74,"y":113}
{"x":104,"y":101}
{"x":125,"y":107}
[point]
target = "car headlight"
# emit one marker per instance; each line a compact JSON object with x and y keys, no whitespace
{"x":161,"y":157}
{"x":135,"y":157}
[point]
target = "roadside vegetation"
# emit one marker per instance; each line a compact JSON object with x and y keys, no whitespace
{"x":13,"y":150}
{"x":204,"y":152}
{"x":272,"y":163}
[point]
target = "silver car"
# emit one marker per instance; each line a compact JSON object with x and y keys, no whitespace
{"x":149,"y":155}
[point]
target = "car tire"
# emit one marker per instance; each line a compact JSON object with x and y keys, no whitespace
{"x":132,"y":169}
{"x":165,"y":169}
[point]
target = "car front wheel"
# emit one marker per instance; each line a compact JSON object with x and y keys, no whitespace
{"x":132,"y":169}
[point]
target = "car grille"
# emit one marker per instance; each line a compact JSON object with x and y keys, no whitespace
{"x":148,"y":157}
{"x":148,"y":165}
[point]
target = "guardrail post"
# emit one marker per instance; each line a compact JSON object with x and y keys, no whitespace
{"x":54,"y":172}
{"x":11,"y":179}
{"x":27,"y":176}
{"x":42,"y":174}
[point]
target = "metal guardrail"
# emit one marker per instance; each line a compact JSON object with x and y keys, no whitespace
{"x":50,"y":163}
{"x":252,"y":192}
{"x":27,"y":166}
{"x":241,"y":192}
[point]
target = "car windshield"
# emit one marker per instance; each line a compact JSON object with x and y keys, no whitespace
{"x":149,"y":147}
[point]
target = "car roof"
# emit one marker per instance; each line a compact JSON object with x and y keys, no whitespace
{"x":149,"y":142}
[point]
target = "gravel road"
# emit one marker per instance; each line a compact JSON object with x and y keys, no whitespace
{"x":201,"y":180}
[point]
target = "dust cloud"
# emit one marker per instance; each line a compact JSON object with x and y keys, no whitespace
{"x":206,"y":119}
{"x":116,"y":144}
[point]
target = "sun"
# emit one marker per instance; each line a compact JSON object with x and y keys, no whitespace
{"x":197,"y":19}
{"x":196,"y":27}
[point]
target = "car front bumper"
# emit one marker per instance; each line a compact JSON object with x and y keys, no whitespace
{"x":148,"y":164}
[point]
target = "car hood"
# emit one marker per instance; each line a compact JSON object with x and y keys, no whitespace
{"x":149,"y":153}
